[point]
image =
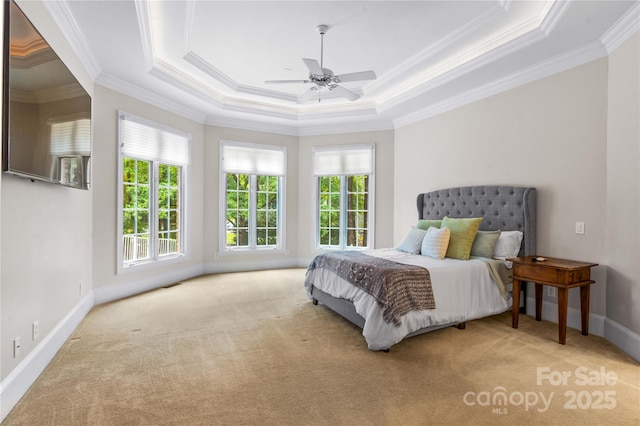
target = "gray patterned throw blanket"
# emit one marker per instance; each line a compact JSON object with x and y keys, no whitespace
{"x":397,"y":287}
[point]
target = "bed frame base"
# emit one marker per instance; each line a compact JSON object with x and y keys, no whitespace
{"x":347,"y":310}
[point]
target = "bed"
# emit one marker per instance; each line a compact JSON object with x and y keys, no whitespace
{"x":463,"y":289}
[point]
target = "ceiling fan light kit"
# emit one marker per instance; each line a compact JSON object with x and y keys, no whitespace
{"x":323,"y":77}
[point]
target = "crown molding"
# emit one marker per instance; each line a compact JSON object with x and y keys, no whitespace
{"x":204,"y":66}
{"x":300,"y":130}
{"x":464,"y":69}
{"x":470,"y":27}
{"x":550,"y":67}
{"x":136,"y":92}
{"x":252,"y":125}
{"x":351,"y":127}
{"x":553,"y":16}
{"x":144,"y":24}
{"x":624,"y":28}
{"x":67,"y":24}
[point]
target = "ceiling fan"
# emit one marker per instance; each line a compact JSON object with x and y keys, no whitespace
{"x":324,"y":77}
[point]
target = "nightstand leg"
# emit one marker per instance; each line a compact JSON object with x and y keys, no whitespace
{"x":538,"y":302}
{"x":584,"y":308}
{"x":563,"y":300}
{"x":515,"y":308}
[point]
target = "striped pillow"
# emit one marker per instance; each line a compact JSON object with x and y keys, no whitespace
{"x":436,"y":242}
{"x":412,"y":241}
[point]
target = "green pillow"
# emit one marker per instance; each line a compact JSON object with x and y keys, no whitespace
{"x":428,"y":223}
{"x":463,"y":233}
{"x":484,"y":243}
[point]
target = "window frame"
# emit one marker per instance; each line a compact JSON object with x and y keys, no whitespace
{"x":155,"y":260}
{"x":315,"y":199}
{"x":252,"y":248}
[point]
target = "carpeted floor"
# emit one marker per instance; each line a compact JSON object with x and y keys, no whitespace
{"x":251,"y":349}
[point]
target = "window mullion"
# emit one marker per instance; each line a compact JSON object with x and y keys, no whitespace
{"x":253,"y":241}
{"x":153,"y":210}
{"x":343,"y":211}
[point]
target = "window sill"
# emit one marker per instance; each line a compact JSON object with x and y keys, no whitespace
{"x":151,"y":263}
{"x":250,"y":251}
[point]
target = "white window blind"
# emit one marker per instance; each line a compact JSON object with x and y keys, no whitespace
{"x":71,"y":138}
{"x":352,"y":160}
{"x":144,"y":140}
{"x":252,"y":159}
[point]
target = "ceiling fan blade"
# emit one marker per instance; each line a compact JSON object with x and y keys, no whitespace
{"x":286,"y":81}
{"x":355,"y":76}
{"x":346,"y":93}
{"x":314,"y":66}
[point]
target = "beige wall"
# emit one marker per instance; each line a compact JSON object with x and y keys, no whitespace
{"x":214,"y":262}
{"x":107,"y":103}
{"x":623,"y":186}
{"x":384,"y":152}
{"x":46,"y":232}
{"x":549,"y":134}
{"x":560,"y":134}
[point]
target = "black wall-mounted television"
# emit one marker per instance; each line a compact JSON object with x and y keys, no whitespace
{"x":46,"y":127}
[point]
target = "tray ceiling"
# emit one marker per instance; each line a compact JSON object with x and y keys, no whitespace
{"x":208,"y":60}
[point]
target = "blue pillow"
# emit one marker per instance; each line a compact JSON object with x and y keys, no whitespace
{"x":412,"y":242}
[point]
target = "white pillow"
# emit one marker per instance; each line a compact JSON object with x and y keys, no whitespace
{"x":412,"y":241}
{"x":508,"y":245}
{"x":436,"y":242}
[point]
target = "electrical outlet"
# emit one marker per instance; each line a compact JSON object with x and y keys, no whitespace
{"x":16,"y":347}
{"x":35,"y":329}
{"x":579,"y":227}
{"x":551,"y":291}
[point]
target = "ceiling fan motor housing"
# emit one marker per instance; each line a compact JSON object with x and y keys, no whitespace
{"x":324,"y":77}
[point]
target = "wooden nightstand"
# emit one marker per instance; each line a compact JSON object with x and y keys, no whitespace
{"x":560,"y":273}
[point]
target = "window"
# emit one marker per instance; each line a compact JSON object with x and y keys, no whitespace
{"x":252,"y":196}
{"x":344,"y":196}
{"x":153,"y":166}
{"x":70,"y":149}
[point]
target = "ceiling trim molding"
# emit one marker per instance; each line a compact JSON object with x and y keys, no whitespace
{"x":315,"y":130}
{"x":464,"y":69}
{"x":553,"y":15}
{"x":204,"y":66}
{"x":408,"y":65}
{"x":143,"y":95}
{"x":624,"y":28}
{"x":341,"y":128}
{"x":174,"y":77}
{"x":252,"y":125}
{"x":550,"y":67}
{"x":144,"y":24}
{"x":69,"y":27}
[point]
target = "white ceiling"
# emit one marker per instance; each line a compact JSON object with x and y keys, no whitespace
{"x":208,"y":60}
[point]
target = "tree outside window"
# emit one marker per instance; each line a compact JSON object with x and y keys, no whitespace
{"x":154,"y":161}
{"x":252,"y":198}
{"x":344,"y":191}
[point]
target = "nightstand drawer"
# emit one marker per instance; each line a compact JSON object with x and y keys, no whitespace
{"x":551,"y":274}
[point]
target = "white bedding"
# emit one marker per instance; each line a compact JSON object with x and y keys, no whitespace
{"x":463,"y":291}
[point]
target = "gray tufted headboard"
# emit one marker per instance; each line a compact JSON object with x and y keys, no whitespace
{"x":505,"y":208}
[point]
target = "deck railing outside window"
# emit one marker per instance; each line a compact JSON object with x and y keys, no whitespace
{"x":136,"y":247}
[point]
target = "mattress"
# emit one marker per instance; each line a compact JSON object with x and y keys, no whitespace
{"x":463,"y":290}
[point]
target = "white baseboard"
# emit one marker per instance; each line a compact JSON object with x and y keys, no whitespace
{"x":117,"y":291}
{"x":620,"y":336}
{"x":14,"y":386}
{"x":625,"y":339}
{"x":574,"y":320}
